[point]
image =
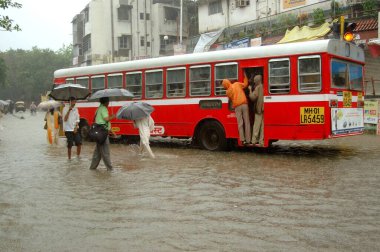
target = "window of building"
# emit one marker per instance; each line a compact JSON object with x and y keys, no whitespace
{"x":279,"y":76}
{"x":97,"y":83}
{"x":148,"y":44}
{"x":147,"y":16}
{"x":309,"y":74}
{"x":134,"y":84}
{"x":176,"y":82}
{"x":115,"y":80}
{"x":224,"y":71}
{"x":141,"y":15}
{"x":86,"y":15}
{"x":215,"y":7}
{"x":200,"y":80}
{"x":142,"y":41}
{"x":82,"y":81}
{"x":87,"y":43}
{"x":123,"y":42}
{"x":153,"y":84}
{"x":171,"y":14}
{"x":123,"y":12}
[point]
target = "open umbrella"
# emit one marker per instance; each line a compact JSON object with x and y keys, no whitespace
{"x":47,"y":105}
{"x":114,"y":94}
{"x":135,"y":110}
{"x":63,"y":92}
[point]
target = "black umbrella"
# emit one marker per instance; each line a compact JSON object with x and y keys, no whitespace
{"x":114,"y":94}
{"x":63,"y":92}
{"x":134,"y":111}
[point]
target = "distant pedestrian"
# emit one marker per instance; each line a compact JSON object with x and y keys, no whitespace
{"x":145,"y":126}
{"x":71,"y":121}
{"x":102,"y":151}
{"x":52,"y":125}
{"x":239,"y":100}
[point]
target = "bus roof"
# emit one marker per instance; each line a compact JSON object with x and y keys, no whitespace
{"x":334,"y":47}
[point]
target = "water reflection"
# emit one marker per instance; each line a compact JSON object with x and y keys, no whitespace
{"x":297,"y":196}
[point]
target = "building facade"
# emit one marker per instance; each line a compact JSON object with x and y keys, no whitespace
{"x":119,"y":30}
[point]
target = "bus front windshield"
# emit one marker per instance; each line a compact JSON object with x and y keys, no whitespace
{"x":346,"y":75}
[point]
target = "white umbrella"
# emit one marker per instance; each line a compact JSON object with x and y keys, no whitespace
{"x":47,"y":105}
{"x":114,"y":94}
{"x":63,"y":92}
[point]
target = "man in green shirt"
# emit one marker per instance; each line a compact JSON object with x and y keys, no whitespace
{"x":103,"y":150}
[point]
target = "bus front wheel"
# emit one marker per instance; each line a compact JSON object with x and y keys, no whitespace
{"x":212,"y":137}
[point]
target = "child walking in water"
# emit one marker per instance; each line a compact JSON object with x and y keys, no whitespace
{"x":145,"y":126}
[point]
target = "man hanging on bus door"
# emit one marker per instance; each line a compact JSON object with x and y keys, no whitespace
{"x":257,"y":96}
{"x":235,"y":92}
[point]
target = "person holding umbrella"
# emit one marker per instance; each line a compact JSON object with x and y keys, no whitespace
{"x":140,"y":112}
{"x":71,"y":121}
{"x":102,"y":151}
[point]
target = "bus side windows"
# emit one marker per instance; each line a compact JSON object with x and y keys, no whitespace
{"x":175,"y":81}
{"x":134,"y":84}
{"x":279,"y":76}
{"x":97,"y":83}
{"x":200,"y":80}
{"x":224,"y":71}
{"x":153,"y":84}
{"x":309,"y":74}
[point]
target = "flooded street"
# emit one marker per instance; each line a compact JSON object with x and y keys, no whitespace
{"x":298,"y":196}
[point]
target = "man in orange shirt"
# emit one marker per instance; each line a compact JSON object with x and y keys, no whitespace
{"x":239,"y":100}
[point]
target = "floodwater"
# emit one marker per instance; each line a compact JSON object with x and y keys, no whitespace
{"x":298,"y":196}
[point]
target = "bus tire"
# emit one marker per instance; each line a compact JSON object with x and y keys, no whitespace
{"x":212,"y":137}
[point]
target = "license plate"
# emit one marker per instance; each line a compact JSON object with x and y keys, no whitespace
{"x":312,"y":115}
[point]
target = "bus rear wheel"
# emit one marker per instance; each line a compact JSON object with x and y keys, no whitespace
{"x":212,"y":137}
{"x":84,"y":129}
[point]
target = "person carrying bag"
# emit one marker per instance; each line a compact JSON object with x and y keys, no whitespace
{"x":102,"y":150}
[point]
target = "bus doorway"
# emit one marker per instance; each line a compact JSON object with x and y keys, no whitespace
{"x":251,"y":72}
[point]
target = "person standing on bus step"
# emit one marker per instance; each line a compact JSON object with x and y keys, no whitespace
{"x":71,"y":121}
{"x":102,"y":151}
{"x":235,"y":92}
{"x":257,"y":96}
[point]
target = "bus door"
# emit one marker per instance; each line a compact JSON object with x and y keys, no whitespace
{"x":251,"y":72}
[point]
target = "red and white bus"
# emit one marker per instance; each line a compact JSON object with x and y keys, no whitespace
{"x":312,"y":91}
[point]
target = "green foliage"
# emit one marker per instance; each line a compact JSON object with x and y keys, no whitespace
{"x":6,"y":22}
{"x":30,"y":72}
{"x":336,"y":9}
{"x":370,"y":8}
{"x":287,"y":20}
{"x":318,"y":16}
{"x":3,"y":72}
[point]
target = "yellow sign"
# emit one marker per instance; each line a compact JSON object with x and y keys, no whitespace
{"x":360,"y":96}
{"x":312,"y":115}
{"x":293,"y":3}
{"x":347,"y":99}
{"x":115,"y":129}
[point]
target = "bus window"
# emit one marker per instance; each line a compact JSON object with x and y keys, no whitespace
{"x":356,"y":77}
{"x":175,"y":81}
{"x":224,"y":71}
{"x":200,"y":80}
{"x":279,"y":76}
{"x":153,"y":84}
{"x":70,"y":80}
{"x":309,"y":74}
{"x":82,"y":81}
{"x":339,"y":74}
{"x":115,"y":80}
{"x":97,"y":83}
{"x":134,"y":84}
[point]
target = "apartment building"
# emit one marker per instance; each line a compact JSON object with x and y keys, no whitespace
{"x":121,"y":30}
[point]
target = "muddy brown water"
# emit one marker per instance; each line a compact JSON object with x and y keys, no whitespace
{"x":297,"y":196}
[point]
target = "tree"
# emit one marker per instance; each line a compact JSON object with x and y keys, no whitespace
{"x":336,"y":9}
{"x":318,"y":16}
{"x":3,"y":72}
{"x":370,"y":8}
{"x":5,"y":22}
